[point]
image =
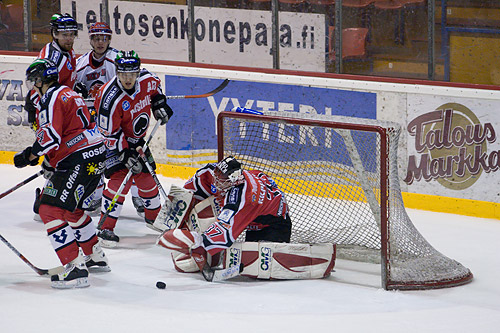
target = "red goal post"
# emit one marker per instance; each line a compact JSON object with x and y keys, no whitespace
{"x":340,"y":177}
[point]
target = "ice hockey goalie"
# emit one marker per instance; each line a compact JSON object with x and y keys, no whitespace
{"x":220,"y":202}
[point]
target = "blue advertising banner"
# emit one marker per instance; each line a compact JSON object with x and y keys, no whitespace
{"x":193,"y":126}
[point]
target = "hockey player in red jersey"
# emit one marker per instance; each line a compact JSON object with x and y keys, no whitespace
{"x":242,"y":201}
{"x":124,"y":106}
{"x":93,"y":69}
{"x":74,"y":154}
{"x":64,"y":30}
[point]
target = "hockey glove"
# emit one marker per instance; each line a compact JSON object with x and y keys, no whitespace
{"x":22,"y":159}
{"x":130,"y":158}
{"x":48,"y":170}
{"x":161,"y":110}
{"x":81,"y":89}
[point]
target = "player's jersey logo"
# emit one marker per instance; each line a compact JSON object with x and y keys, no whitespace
{"x":126,"y":105}
{"x":141,"y":124}
{"x":68,"y":64}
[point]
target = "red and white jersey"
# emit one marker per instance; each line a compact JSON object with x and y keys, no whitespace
{"x":65,"y":62}
{"x":90,"y":71}
{"x":64,"y":125}
{"x":123,"y":118}
{"x":239,"y":207}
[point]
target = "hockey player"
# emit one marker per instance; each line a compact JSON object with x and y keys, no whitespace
{"x":124,"y":107}
{"x":64,"y":29}
{"x":93,"y":69}
{"x":242,"y":200}
{"x":74,"y":155}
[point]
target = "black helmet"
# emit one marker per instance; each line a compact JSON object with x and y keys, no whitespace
{"x":127,"y":61}
{"x":44,"y":69}
{"x":63,"y":22}
{"x":228,"y":173}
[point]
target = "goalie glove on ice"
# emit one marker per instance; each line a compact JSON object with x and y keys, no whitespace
{"x":161,"y":110}
{"x":130,"y":158}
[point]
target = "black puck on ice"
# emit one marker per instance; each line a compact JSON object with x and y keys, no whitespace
{"x":161,"y":285}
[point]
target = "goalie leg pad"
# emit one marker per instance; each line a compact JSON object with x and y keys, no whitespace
{"x":202,"y":215}
{"x":268,"y":260}
{"x":174,"y":211}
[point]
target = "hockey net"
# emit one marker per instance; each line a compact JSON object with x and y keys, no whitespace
{"x":340,"y":178}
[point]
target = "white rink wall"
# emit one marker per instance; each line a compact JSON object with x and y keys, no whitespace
{"x":449,"y":145}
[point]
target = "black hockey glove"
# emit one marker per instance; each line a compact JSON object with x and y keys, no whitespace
{"x":161,"y":110}
{"x":22,"y":159}
{"x":130,"y":158}
{"x":81,"y":88}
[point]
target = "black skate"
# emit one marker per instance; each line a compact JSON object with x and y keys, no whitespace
{"x":108,"y":238}
{"x":139,"y":205}
{"x":75,"y":275}
{"x":149,"y":224}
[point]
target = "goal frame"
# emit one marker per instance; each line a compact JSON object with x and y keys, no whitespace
{"x":385,"y":254}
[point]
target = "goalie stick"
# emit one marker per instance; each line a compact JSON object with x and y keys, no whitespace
{"x":40,"y":271}
{"x":24,"y":182}
{"x":212,"y":274}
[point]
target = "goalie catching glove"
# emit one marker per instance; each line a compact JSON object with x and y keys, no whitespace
{"x":161,"y":110}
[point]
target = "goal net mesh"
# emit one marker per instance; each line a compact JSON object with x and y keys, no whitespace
{"x":334,"y":172}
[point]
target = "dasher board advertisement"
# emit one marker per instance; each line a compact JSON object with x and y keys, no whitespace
{"x":453,"y":147}
{"x":222,"y":36}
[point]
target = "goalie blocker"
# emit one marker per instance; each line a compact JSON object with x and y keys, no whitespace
{"x":261,"y":260}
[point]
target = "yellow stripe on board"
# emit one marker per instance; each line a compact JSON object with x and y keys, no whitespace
{"x":434,"y":203}
{"x":483,"y":209}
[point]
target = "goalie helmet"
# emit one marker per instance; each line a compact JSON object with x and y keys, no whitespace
{"x":228,"y":173}
{"x":63,"y":22}
{"x":127,"y":61}
{"x":43,"y":70}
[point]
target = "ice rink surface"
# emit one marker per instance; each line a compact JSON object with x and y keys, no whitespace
{"x":126,"y":299}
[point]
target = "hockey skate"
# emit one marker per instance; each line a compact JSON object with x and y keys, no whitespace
{"x":149,"y":224}
{"x":139,"y":205}
{"x":97,"y":262}
{"x":75,"y":275}
{"x":107,"y":238}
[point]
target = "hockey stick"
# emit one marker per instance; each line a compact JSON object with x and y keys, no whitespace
{"x":24,"y":182}
{"x":40,"y":271}
{"x":208,"y":94}
{"x":124,"y":182}
{"x":221,"y":274}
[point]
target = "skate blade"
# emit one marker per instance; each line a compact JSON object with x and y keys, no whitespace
{"x":76,"y":283}
{"x":99,"y":269}
{"x":107,"y":243}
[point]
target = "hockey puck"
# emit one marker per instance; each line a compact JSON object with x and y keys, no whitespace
{"x":161,"y":285}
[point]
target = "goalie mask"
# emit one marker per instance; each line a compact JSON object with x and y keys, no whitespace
{"x":228,"y":173}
